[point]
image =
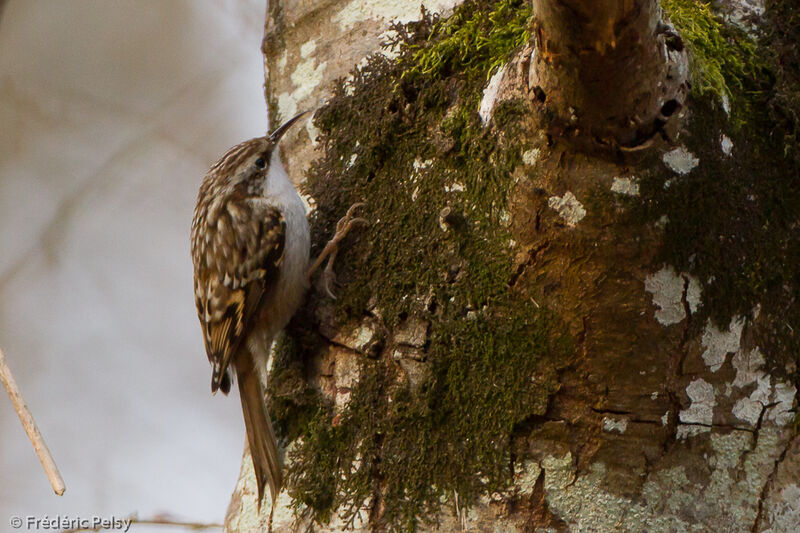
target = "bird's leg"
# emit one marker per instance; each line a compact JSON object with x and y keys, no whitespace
{"x":343,"y":227}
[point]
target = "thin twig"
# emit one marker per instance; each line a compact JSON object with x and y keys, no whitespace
{"x":156,"y":521}
{"x":31,"y":429}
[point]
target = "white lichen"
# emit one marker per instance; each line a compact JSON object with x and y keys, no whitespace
{"x":784,"y":514}
{"x":490,"y":94}
{"x":306,"y":77}
{"x":313,"y":132}
{"x":626,"y":186}
{"x":620,"y":425}
{"x":718,"y":344}
{"x":667,"y":288}
{"x":777,"y":394}
{"x":726,"y":144}
{"x":568,"y":208}
{"x":747,"y":364}
{"x":680,"y":160}
{"x":526,"y":476}
{"x":282,"y":61}
{"x":531,"y":157}
{"x":698,"y":416}
{"x":749,"y":409}
{"x":783,"y":398}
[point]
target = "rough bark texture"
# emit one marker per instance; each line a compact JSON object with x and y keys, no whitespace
{"x":309,"y":44}
{"x":662,"y":420}
{"x":603,"y":68}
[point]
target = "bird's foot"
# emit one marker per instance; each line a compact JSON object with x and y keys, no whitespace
{"x":343,"y":227}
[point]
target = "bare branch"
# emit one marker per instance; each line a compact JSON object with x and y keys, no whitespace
{"x":160,"y":520}
{"x":31,"y":429}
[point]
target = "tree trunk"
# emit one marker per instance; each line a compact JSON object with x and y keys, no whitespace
{"x":580,"y":298}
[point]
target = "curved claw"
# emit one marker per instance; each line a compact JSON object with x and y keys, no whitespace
{"x":343,"y":227}
{"x":328,"y":281}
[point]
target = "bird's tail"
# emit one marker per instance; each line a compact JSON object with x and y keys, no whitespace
{"x":260,"y":435}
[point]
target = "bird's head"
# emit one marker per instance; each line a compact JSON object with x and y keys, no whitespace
{"x":247,"y":167}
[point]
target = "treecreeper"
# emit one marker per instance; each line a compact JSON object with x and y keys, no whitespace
{"x":250,"y":245}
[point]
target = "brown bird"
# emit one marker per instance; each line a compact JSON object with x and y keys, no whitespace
{"x":250,"y":250}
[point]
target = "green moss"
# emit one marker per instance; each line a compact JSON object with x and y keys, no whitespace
{"x":410,"y":146}
{"x":472,"y":42}
{"x":724,"y":60}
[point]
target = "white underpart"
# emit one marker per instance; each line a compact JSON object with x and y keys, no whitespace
{"x":291,"y":285}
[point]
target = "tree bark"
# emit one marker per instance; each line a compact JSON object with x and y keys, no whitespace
{"x":604,"y":69}
{"x":660,"y":422}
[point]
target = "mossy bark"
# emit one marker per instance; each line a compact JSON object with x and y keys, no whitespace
{"x":541,"y":329}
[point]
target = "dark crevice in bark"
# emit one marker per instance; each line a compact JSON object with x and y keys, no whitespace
{"x":376,"y":502}
{"x":720,"y":426}
{"x":754,"y":444}
{"x":629,"y":419}
{"x":540,"y":516}
{"x":531,"y":259}
{"x":675,"y":372}
{"x":769,"y":483}
{"x":340,"y":345}
{"x":611,"y":411}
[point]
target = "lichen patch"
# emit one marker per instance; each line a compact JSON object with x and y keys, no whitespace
{"x":627,"y":186}
{"x":612,"y":424}
{"x":726,"y":145}
{"x":680,"y":160}
{"x":750,"y":408}
{"x":667,"y":288}
{"x":568,"y":208}
{"x":718,"y":344}
{"x":308,"y":48}
{"x":531,"y":156}
{"x":490,"y":94}
{"x":698,"y":416}
{"x":306,"y":77}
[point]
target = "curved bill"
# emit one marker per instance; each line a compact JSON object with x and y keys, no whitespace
{"x":278,"y":133}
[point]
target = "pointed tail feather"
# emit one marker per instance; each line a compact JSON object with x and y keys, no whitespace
{"x":260,"y":435}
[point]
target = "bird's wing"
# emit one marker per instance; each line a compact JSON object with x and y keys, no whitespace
{"x":234,"y":267}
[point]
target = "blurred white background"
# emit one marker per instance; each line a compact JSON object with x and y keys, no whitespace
{"x":110,"y":114}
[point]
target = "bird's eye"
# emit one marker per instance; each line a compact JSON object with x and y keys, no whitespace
{"x":260,"y":163}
